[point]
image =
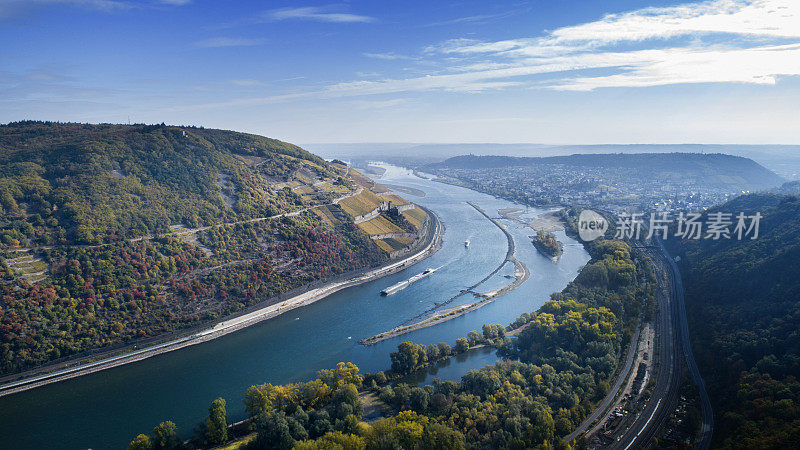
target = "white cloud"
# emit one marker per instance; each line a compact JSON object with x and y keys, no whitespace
{"x":316,"y":14}
{"x":762,"y":65}
{"x":746,"y":18}
{"x":387,"y":56}
{"x":247,"y":82}
{"x":772,"y":18}
{"x":228,"y":42}
{"x":479,"y":18}
{"x":378,"y":104}
{"x":755,"y":42}
{"x":734,"y":41}
{"x":468,"y":46}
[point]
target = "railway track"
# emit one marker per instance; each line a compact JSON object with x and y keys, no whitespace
{"x":674,"y":352}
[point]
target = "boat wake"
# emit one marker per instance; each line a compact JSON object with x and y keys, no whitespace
{"x":406,"y":283}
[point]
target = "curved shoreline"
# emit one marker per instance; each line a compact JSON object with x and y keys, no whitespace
{"x":444,"y":316}
{"x":232,"y":324}
{"x":521,"y":273}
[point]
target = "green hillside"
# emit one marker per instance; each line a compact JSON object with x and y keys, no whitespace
{"x":97,"y":183}
{"x":743,"y":305}
{"x":115,"y":234}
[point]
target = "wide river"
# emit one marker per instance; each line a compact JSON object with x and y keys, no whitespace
{"x":107,"y":409}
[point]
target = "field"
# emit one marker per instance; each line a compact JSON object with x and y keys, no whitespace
{"x":380,"y":225}
{"x":416,"y":216}
{"x":326,"y":215}
{"x":29,"y":267}
{"x":303,"y":189}
{"x":327,"y":186}
{"x":384,"y":246}
{"x":360,"y":204}
{"x":361,"y":179}
{"x":395,"y":243}
{"x":404,"y":240}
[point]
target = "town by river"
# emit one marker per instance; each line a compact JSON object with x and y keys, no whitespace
{"x":105,"y":410}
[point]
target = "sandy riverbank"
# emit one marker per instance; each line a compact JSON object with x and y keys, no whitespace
{"x":229,"y":325}
{"x":521,"y":274}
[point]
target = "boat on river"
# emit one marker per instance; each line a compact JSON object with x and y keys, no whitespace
{"x":406,"y":283}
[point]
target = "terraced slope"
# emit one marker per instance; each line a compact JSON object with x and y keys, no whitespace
{"x":113,"y":234}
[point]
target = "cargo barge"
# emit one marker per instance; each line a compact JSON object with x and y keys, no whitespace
{"x":406,"y":283}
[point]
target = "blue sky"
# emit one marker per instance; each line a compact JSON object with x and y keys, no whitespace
{"x":616,"y":71}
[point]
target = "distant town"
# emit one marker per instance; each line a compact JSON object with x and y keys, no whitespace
{"x":614,"y":188}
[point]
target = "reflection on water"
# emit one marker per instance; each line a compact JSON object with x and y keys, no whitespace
{"x":451,"y":369}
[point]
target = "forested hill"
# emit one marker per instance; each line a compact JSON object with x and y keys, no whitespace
{"x":95,"y":183}
{"x":117,"y":234}
{"x":717,"y":167}
{"x":743,"y":305}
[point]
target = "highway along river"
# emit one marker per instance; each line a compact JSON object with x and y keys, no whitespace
{"x":107,"y":409}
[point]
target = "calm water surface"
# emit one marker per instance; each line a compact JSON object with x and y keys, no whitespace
{"x":107,"y":409}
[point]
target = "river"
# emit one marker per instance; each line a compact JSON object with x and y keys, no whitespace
{"x":107,"y":409}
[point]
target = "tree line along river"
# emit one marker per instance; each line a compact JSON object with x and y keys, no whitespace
{"x":108,"y":408}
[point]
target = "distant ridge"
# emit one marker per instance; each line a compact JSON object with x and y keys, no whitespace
{"x":732,"y":170}
{"x":781,"y":159}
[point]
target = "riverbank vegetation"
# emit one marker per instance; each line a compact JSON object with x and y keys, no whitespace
{"x":547,"y":244}
{"x":743,"y":307}
{"x":561,"y":362}
{"x":114,"y":235}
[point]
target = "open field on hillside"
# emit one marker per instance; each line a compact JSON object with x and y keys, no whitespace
{"x":384,"y":246}
{"x":360,"y":204}
{"x":416,"y":216}
{"x":380,"y":225}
